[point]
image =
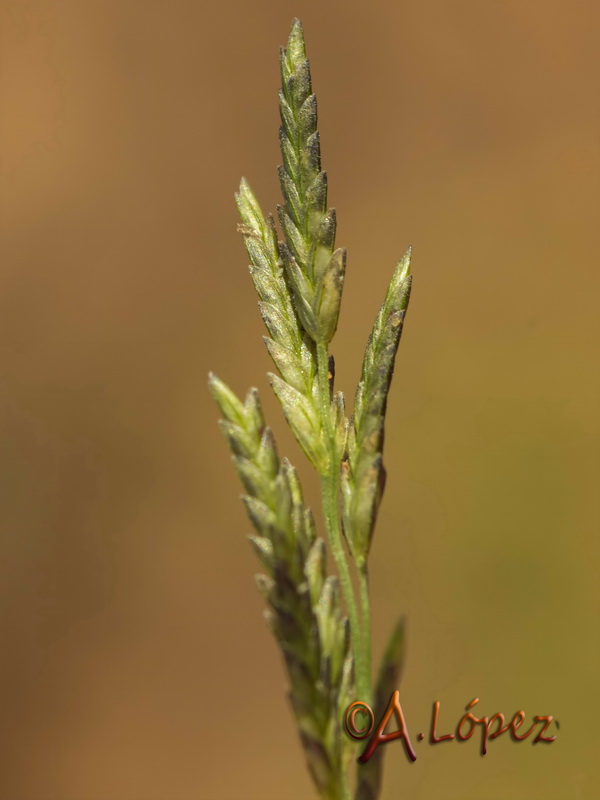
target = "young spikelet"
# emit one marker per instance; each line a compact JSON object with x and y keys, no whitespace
{"x":363,"y":474}
{"x":304,"y":607}
{"x":315,"y":270}
{"x":291,"y":349}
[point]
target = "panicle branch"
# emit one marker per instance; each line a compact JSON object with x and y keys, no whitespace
{"x":304,"y":611}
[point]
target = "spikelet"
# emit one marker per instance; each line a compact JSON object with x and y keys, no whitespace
{"x":303,"y":602}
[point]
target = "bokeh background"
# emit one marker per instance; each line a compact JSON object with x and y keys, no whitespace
{"x":134,"y":661}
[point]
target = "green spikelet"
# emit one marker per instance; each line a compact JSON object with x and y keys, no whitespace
{"x":314,"y":269}
{"x":363,"y":474}
{"x":304,"y":608}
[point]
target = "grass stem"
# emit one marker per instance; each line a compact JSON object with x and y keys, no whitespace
{"x":329,"y":494}
{"x":365,"y":612}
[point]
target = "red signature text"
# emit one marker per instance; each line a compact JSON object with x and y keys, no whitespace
{"x":490,"y":727}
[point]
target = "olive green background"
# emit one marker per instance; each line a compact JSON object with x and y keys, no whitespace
{"x":134,"y":661}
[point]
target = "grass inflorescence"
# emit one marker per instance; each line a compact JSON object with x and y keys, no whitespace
{"x":321,"y":623}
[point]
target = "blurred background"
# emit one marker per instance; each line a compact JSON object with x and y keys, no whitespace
{"x":134,"y":661}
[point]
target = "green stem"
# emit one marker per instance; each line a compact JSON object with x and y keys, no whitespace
{"x":329,"y":493}
{"x":345,"y":788}
{"x":365,"y":612}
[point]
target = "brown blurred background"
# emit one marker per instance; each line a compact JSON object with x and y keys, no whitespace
{"x":134,"y":661}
